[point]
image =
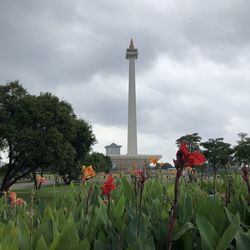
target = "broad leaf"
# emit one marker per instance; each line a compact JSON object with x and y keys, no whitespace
{"x":229,"y":234}
{"x":182,"y":230}
{"x":209,"y":236}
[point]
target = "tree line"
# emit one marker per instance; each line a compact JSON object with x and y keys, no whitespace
{"x":43,"y":132}
{"x":219,"y":153}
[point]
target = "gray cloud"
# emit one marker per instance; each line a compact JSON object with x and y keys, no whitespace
{"x":192,"y":71}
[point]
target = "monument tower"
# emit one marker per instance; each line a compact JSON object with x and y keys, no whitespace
{"x":131,"y":55}
{"x":132,"y":158}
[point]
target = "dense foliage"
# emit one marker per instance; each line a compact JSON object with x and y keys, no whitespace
{"x":242,"y":149}
{"x":40,"y":132}
{"x":192,"y":141}
{"x":82,"y":219}
{"x":101,"y":162}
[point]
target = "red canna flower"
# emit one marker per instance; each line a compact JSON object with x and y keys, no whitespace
{"x":140,"y":174}
{"x":189,"y":158}
{"x":108,"y":186}
{"x":16,"y":201}
{"x":244,"y":173}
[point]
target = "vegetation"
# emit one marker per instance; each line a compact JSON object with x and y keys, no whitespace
{"x":57,"y":219}
{"x":40,"y":132}
{"x":242,"y":149}
{"x":192,"y":141}
{"x":101,"y":162}
{"x":136,"y":211}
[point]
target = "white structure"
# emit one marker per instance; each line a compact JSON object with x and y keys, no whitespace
{"x":132,"y":158}
{"x":113,"y":149}
{"x":131,"y":55}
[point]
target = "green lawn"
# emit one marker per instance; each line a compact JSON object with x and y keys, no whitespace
{"x":48,"y":194}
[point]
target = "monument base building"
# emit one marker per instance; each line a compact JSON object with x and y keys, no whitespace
{"x":125,"y":162}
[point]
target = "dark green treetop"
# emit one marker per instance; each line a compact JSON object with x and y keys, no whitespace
{"x":192,"y":141}
{"x":40,"y":132}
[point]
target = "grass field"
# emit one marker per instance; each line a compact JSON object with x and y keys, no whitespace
{"x":47,"y":194}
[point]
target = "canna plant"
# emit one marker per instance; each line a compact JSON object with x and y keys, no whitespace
{"x":244,"y":170}
{"x":112,"y":220}
{"x":184,"y":158}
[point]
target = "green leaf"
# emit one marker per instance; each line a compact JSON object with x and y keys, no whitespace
{"x":119,"y":208}
{"x":213,"y":212}
{"x":229,"y":233}
{"x":149,"y":244}
{"x":137,"y":244}
{"x":54,"y":226}
{"x":98,"y":245}
{"x":242,"y":240}
{"x":127,"y":189}
{"x":67,"y":239}
{"x":186,"y":210}
{"x":181,"y":231}
{"x":9,"y":236}
{"x":60,"y":219}
{"x":229,"y":215}
{"x":209,"y":236}
{"x":84,"y":245}
{"x":46,"y":230}
{"x":132,"y":230}
{"x":23,"y":234}
{"x":41,"y":244}
{"x":140,"y":244}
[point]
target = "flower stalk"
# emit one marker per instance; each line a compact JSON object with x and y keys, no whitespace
{"x":244,"y":170}
{"x":88,"y":197}
{"x":184,"y":158}
{"x":107,"y":188}
{"x":140,"y":178}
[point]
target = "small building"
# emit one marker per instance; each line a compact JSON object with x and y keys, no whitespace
{"x":113,"y":149}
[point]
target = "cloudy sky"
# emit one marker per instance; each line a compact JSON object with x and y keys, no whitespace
{"x":192,"y":74}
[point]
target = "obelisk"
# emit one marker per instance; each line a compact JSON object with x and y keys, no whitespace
{"x":132,"y":158}
{"x":131,"y":55}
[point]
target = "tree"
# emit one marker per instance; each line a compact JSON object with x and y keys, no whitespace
{"x":40,"y":131}
{"x":217,"y":152}
{"x":242,"y":149}
{"x":192,"y":141}
{"x":100,"y":162}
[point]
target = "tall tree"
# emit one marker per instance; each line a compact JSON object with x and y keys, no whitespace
{"x":217,"y":152}
{"x":192,"y":141}
{"x":40,"y":131}
{"x":242,"y":149}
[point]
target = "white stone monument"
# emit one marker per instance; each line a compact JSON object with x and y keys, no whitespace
{"x":132,"y":158}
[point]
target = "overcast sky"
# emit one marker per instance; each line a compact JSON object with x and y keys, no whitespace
{"x":192,"y":73}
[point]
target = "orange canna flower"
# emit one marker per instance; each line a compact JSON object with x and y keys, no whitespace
{"x":153,"y":160}
{"x":40,"y":180}
{"x":16,"y":201}
{"x":188,"y":168}
{"x":88,"y":172}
